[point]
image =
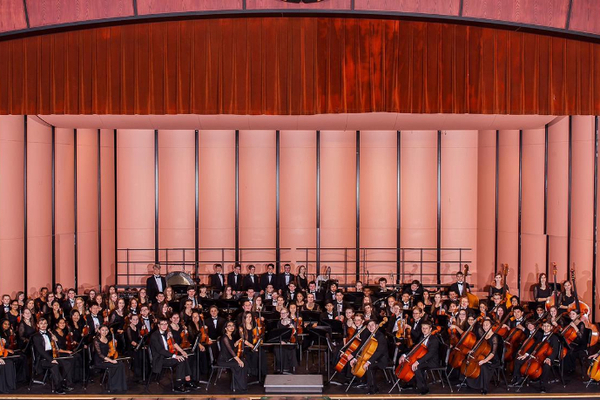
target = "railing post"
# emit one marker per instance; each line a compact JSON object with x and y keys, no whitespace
{"x":127,"y":267}
{"x":421,"y":276}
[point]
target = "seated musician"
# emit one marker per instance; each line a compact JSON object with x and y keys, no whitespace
{"x":554,"y":317}
{"x":383,"y":289}
{"x":194,"y":328}
{"x":253,"y":357}
{"x":229,"y":357}
{"x":162,"y":356}
{"x":328,"y":314}
{"x":191,"y":295}
{"x":300,"y":300}
{"x":257,"y":305}
{"x":414,"y":291}
{"x":515,"y":301}
{"x":464,"y":305}
{"x":369,"y":314}
{"x":291,"y":292}
{"x":379,"y":359}
{"x":330,"y":293}
{"x":452,"y":298}
{"x":484,"y":310}
{"x":429,"y":360}
{"x":416,"y":333}
{"x":9,"y":344}
{"x":519,"y":319}
{"x":578,"y":347}
{"x":460,"y":286}
{"x":117,"y":378}
{"x":540,"y":310}
{"x":312,"y":289}
{"x":66,"y":344}
{"x":285,"y":357}
{"x":133,"y":347}
{"x":405,"y":301}
{"x":8,"y":379}
{"x":269,"y":294}
{"x":491,"y":361}
{"x":95,"y":319}
{"x":61,"y":371}
{"x":147,"y":321}
{"x":547,"y":363}
{"x":246,"y":308}
{"x":459,"y":324}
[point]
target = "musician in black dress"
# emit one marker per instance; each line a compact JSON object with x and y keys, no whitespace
{"x":228,"y":357}
{"x":253,"y":354}
{"x":491,"y":361}
{"x":117,"y":378}
{"x":578,"y":347}
{"x":567,"y":296}
{"x":497,"y":287}
{"x":429,"y":360}
{"x":134,"y":343}
{"x":542,"y":290}
{"x":285,"y":357}
{"x":8,"y":379}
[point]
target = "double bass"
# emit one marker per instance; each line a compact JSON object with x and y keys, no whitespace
{"x":584,"y":312}
{"x":552,"y":301}
{"x":473,"y":300}
{"x":366,"y":352}
{"x":507,"y":297}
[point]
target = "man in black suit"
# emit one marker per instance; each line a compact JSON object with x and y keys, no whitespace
{"x":339,"y":305}
{"x":284,"y":279}
{"x":460,"y":286}
{"x":429,"y":360}
{"x":156,"y":283}
{"x":161,"y":357}
{"x":217,"y":280}
{"x":379,"y":359}
{"x":312,"y":288}
{"x":414,"y":290}
{"x":268,"y":278}
{"x":69,"y":303}
{"x":146,"y":319}
{"x":191,"y":295}
{"x":61,"y":381}
{"x":416,"y":333}
{"x":251,"y":280}
{"x":94,"y":320}
{"x":215,"y":325}
{"x":235,"y":279}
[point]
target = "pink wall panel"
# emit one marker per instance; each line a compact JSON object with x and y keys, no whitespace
{"x":276,"y":4}
{"x":12,"y":16}
{"x":419,"y":200}
{"x":533,"y":240}
{"x":65,"y":213}
{"x":486,"y":183}
{"x":217,"y":195}
{"x":558,"y":180}
{"x":177,"y":194}
{"x":160,"y":6}
{"x":11,"y":204}
{"x":298,"y":183}
{"x":257,"y":195}
{"x":87,"y":208}
{"x":459,"y":199}
{"x":107,"y":180}
{"x":135,"y":196}
{"x":583,"y":16}
{"x":536,"y":12}
{"x":338,"y":199}
{"x":508,"y":205}
{"x":582,"y":206}
{"x":408,"y":6}
{"x":39,"y":205}
{"x":43,"y":12}
{"x":378,"y":192}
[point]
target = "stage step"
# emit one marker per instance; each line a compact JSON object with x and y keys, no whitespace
{"x":294,"y":384}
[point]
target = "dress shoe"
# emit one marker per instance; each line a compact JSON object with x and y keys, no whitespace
{"x":424,"y":391}
{"x":60,"y":391}
{"x":484,"y":392}
{"x":67,"y":388}
{"x":181,"y":389}
{"x":361,"y":386}
{"x":373,"y":390}
{"x":191,"y":385}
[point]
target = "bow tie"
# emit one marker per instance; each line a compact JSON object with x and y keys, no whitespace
{"x":157,"y":276}
{"x":43,"y":332}
{"x":94,"y":316}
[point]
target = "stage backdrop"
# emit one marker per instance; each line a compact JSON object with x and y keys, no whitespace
{"x":524,"y":198}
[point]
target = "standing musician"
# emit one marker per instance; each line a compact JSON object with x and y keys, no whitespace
{"x":542,"y":290}
{"x":416,"y":333}
{"x":284,"y":279}
{"x":379,"y":359}
{"x":252,"y":352}
{"x":567,"y":296}
{"x":268,"y":278}
{"x":156,"y":283}
{"x":251,"y":280}
{"x":46,"y":351}
{"x":217,"y":280}
{"x":134,"y":346}
{"x":285,"y":357}
{"x":216,"y":326}
{"x":235,"y":280}
{"x":429,"y":360}
{"x":460,"y":286}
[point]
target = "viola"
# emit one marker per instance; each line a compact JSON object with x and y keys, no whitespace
{"x":348,"y":349}
{"x":171,"y":344}
{"x":259,"y":325}
{"x":71,"y":344}
{"x":3,"y":349}
{"x":404,"y":370}
{"x":366,"y":352}
{"x":12,"y":340}
{"x":240,"y":348}
{"x":203,"y":331}
{"x":54,"y":346}
{"x":112,"y":347}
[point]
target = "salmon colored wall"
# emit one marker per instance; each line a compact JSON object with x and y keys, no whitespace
{"x":87,"y":208}
{"x":486,"y":201}
{"x":419,"y":202}
{"x":217,"y":196}
{"x":338,"y":201}
{"x":298,"y":183}
{"x":65,"y":213}
{"x":378,"y":198}
{"x":177,"y":196}
{"x":135,"y":197}
{"x":508,"y":206}
{"x":11,"y":204}
{"x":558,"y":185}
{"x":533,"y":239}
{"x":459,"y":200}
{"x":39,"y":205}
{"x":107,"y":179}
{"x":582,"y":205}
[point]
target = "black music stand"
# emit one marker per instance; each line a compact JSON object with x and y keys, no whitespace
{"x":196,"y":352}
{"x":230,"y":307}
{"x":278,"y":336}
{"x":355,"y":299}
{"x":207,"y":302}
{"x":337,"y":328}
{"x":321,"y":333}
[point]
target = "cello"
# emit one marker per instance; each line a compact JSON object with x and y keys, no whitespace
{"x":404,"y":371}
{"x":534,"y":366}
{"x":348,"y":349}
{"x":463,"y":347}
{"x":473,"y":300}
{"x":471,"y":368}
{"x":366,"y":352}
{"x":516,"y":339}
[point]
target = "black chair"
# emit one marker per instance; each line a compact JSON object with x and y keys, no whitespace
{"x":442,"y":369}
{"x":217,"y":368}
{"x":93,"y":368}
{"x":159,"y":374}
{"x":500,"y":370}
{"x":34,"y":364}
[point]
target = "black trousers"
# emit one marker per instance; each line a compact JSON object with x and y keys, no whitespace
{"x":544,"y":378}
{"x":240,"y":375}
{"x":179,"y":366}
{"x":420,"y":376}
{"x":380,"y":364}
{"x":59,"y":372}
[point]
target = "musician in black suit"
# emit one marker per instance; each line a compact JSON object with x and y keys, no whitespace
{"x":284,"y":279}
{"x":429,"y":360}
{"x":155,"y":283}
{"x":251,"y":280}
{"x":235,"y":279}
{"x":339,"y":305}
{"x":267,"y":278}
{"x":161,"y":357}
{"x":61,"y":370}
{"x":215,"y":325}
{"x":95,"y":320}
{"x":379,"y":359}
{"x":217,"y":280}
{"x":414,"y":290}
{"x":460,"y":286}
{"x":416,"y":331}
{"x":69,"y":302}
{"x":312,"y":288}
{"x":191,"y":295}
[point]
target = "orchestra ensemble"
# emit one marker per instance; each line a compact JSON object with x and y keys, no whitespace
{"x":253,"y":325}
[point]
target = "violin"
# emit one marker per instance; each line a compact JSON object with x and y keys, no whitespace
{"x":348,"y":349}
{"x":54,"y":346}
{"x":366,"y":352}
{"x":12,"y":340}
{"x":3,"y":349}
{"x":404,"y":370}
{"x":171,"y":343}
{"x":203,"y":331}
{"x":71,"y":344}
{"x":259,"y":325}
{"x":240,"y":348}
{"x":112,"y":347}
{"x":400,"y":331}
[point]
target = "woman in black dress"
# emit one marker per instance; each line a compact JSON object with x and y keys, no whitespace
{"x":228,"y":357}
{"x":77,"y":324}
{"x":491,"y":361}
{"x":194,"y":328}
{"x":14,"y":314}
{"x":285,"y":357}
{"x":26,"y":329}
{"x":66,"y":345}
{"x":117,"y":379}
{"x":567,"y":296}
{"x":302,"y":279}
{"x":133,"y":346}
{"x":496,"y":287}
{"x":9,"y":338}
{"x":8,"y":379}
{"x":249,"y":332}
{"x":117,"y":322}
{"x":542,"y":290}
